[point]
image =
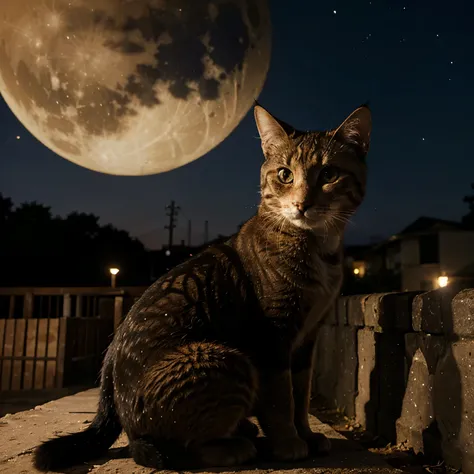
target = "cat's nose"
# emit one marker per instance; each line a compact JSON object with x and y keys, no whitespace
{"x":301,"y":206}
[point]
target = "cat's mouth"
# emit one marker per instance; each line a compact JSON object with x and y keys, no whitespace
{"x":307,"y":220}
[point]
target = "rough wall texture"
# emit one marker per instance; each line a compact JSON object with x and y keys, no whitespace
{"x":402,"y":364}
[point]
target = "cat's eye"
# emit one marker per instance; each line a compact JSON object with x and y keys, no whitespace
{"x":329,"y":174}
{"x":285,"y":175}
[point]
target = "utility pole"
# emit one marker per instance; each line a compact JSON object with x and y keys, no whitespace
{"x":206,"y":232}
{"x":189,"y":233}
{"x":172,"y":211}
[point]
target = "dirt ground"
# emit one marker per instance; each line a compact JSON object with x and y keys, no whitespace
{"x":397,"y":456}
{"x":21,"y":432}
{"x":21,"y":400}
{"x":355,"y":451}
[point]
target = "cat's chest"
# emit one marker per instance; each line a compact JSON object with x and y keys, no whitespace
{"x":317,"y":298}
{"x":301,"y":289}
{"x":320,"y":276}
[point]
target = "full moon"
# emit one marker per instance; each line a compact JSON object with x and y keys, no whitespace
{"x":132,"y":87}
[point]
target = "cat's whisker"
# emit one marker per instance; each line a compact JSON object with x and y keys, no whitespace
{"x":326,"y":231}
{"x":330,"y":226}
{"x":284,"y":220}
{"x":337,"y":228}
{"x":272,"y":220}
{"x":332,"y":211}
{"x":343,"y":219}
{"x":339,"y":218}
{"x":344,"y":213}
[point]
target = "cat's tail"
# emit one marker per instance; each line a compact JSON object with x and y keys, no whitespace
{"x":66,"y":451}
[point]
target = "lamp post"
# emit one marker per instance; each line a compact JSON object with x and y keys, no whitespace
{"x":443,"y":281}
{"x":113,"y":276}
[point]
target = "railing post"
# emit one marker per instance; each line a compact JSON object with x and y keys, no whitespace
{"x":118,"y":311}
{"x":61,"y":353}
{"x":11,"y":308}
{"x":78,"y":306}
{"x":67,"y":306}
{"x":28,"y":305}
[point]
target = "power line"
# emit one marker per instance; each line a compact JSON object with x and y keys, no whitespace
{"x":206,"y":232}
{"x":172,"y":212}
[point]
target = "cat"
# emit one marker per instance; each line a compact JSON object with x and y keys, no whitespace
{"x":231,"y":332}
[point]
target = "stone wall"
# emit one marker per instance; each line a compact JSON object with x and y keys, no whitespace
{"x":402,"y":364}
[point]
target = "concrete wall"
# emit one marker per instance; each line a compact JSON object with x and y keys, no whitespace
{"x":402,"y":364}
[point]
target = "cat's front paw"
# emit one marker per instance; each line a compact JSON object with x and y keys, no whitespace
{"x":289,"y":449}
{"x":247,"y":429}
{"x":317,"y":443}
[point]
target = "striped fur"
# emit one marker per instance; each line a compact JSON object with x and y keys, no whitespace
{"x":231,"y":332}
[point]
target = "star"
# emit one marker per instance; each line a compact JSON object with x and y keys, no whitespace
{"x":396,"y":61}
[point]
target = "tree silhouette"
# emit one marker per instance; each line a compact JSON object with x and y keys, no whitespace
{"x":468,"y":219}
{"x":6,"y":206}
{"x":31,"y":230}
{"x":37,"y":248}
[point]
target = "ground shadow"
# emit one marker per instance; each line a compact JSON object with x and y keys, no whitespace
{"x":344,"y":454}
{"x":15,"y":401}
{"x":113,"y":453}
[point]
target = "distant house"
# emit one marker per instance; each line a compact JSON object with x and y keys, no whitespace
{"x":427,"y":254}
{"x":355,"y":257}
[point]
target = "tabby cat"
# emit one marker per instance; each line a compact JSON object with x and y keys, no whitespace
{"x":231,"y":332}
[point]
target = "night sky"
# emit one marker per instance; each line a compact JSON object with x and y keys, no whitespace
{"x":412,"y":60}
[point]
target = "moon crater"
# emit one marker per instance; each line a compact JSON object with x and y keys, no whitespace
{"x":132,"y":87}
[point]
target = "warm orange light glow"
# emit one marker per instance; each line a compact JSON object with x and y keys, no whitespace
{"x":443,"y":281}
{"x":356,"y":271}
{"x":113,"y":271}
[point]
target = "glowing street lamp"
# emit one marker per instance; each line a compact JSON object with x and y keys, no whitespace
{"x":113,"y":276}
{"x":443,"y":281}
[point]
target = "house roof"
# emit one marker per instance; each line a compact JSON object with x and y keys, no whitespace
{"x":429,"y":224}
{"x":357,"y":252}
{"x":422,"y":225}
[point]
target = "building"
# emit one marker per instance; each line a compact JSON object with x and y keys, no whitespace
{"x":367,"y":269}
{"x":428,"y":254}
{"x":355,"y":259}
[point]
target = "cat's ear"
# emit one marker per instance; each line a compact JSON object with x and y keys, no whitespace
{"x":271,"y":133}
{"x":356,"y":129}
